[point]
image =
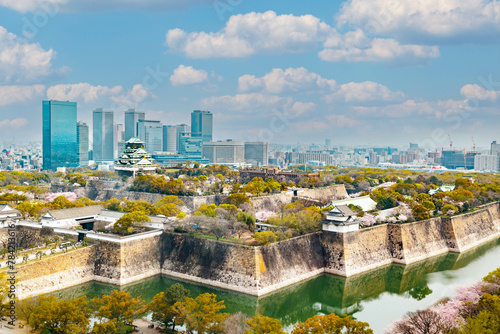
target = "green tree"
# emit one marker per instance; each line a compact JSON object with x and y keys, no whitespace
{"x":169,"y":210}
{"x":118,"y":308}
{"x":237,"y":199}
{"x":163,"y":306}
{"x":203,"y":314}
{"x":260,"y":324}
{"x":61,"y":316}
{"x":130,"y":221}
{"x":420,"y":212}
{"x":247,"y":218}
{"x":332,"y":324}
{"x":265,"y":237}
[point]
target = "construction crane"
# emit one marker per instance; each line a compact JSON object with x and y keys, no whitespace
{"x":451,"y":143}
{"x":473,"y":145}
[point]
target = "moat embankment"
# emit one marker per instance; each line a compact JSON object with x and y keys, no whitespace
{"x":264,"y":202}
{"x":261,"y":270}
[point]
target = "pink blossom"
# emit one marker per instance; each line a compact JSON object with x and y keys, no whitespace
{"x":70,"y":196}
{"x":368,"y":219}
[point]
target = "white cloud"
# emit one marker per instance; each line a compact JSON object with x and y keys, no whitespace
{"x":85,"y":91}
{"x":133,"y":97}
{"x":16,"y":123}
{"x":364,"y":91}
{"x":411,"y":108}
{"x":424,"y":19}
{"x":55,"y":6}
{"x":341,"y":121}
{"x":245,"y":35}
{"x":187,"y":75}
{"x":253,"y":102}
{"x":24,"y":62}
{"x":289,"y":80}
{"x":473,"y":91}
{"x":355,"y":46}
{"x":302,"y":108}
{"x":19,"y":94}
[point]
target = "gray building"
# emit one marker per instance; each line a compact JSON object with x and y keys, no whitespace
{"x":103,"y":135}
{"x":132,"y":117}
{"x":119,"y":142}
{"x":170,"y":138}
{"x":202,"y":124}
{"x":495,"y":148}
{"x":486,"y":163}
{"x":59,"y":139}
{"x":256,"y":153}
{"x":224,"y":152}
{"x":151,"y":133}
{"x":181,"y":129}
{"x":82,"y":136}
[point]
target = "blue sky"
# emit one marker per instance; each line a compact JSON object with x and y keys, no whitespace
{"x":368,"y":72}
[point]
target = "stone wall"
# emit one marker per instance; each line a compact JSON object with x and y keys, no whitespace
{"x":470,"y":229}
{"x":55,"y":273}
{"x":355,"y":252}
{"x":289,"y":261}
{"x":421,"y":240}
{"x":222,"y":264}
{"x":261,"y":270}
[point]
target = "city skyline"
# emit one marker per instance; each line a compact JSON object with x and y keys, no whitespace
{"x":404,"y":80}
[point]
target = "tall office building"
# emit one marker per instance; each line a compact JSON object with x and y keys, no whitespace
{"x":103,"y":135}
{"x":181,"y":129}
{"x":132,"y":117}
{"x":59,"y":139}
{"x":190,"y":145}
{"x":495,"y":148}
{"x":118,"y":141}
{"x":201,"y":125}
{"x":151,"y":133}
{"x":256,"y":153}
{"x":82,"y":137}
{"x":170,"y":138}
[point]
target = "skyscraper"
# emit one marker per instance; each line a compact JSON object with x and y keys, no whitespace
{"x":201,"y":125}
{"x":181,"y":129}
{"x":59,"y":139}
{"x":118,"y":141}
{"x":151,"y":132}
{"x":102,"y":135}
{"x":82,"y":136}
{"x":131,"y":119}
{"x":170,"y":138}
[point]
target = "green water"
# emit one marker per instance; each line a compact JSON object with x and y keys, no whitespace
{"x":377,"y":297}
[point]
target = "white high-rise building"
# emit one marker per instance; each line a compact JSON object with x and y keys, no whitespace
{"x":486,"y":162}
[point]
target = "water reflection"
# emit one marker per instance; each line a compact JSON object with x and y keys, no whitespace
{"x":323,"y":294}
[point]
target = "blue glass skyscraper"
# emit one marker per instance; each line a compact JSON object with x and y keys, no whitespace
{"x":60,"y":144}
{"x":201,"y":125}
{"x":103,"y":135}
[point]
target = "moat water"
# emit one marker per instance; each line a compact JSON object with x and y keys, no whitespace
{"x":377,"y":297}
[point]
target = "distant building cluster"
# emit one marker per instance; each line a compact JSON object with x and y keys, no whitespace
{"x":70,"y":143}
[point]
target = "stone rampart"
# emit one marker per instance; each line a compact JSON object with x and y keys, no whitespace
{"x":422,"y":240}
{"x":470,"y":229}
{"x":261,"y":270}
{"x":55,"y":273}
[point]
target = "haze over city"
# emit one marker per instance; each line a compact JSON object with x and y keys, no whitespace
{"x":356,"y":72}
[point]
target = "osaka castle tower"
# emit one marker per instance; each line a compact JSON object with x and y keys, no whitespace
{"x":135,"y":160}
